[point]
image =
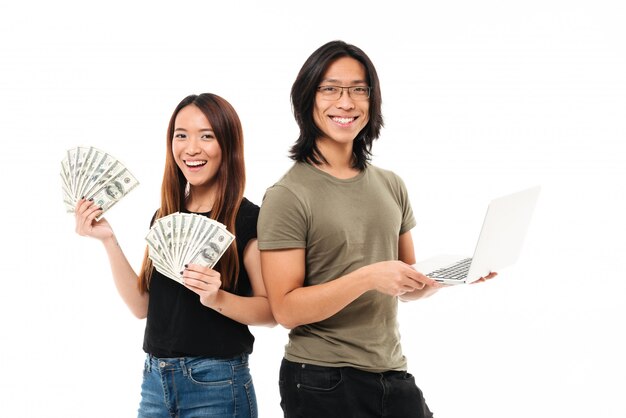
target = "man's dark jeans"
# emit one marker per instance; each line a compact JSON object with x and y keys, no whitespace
{"x":309,"y":391}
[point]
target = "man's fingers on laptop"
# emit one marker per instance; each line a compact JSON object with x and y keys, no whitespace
{"x":424,"y":280}
{"x":415,"y":286}
{"x":412,"y":286}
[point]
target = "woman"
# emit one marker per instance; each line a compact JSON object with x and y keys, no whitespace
{"x":197,"y":338}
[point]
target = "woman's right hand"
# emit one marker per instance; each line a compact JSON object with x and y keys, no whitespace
{"x":86,"y":224}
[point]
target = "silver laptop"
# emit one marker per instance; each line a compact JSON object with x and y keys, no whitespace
{"x":499,"y":243}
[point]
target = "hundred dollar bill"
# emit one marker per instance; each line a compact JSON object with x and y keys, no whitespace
{"x":92,"y":164}
{"x":198,"y":227}
{"x":71,"y":163}
{"x":213,"y":247}
{"x":65,"y":177}
{"x":68,"y":201}
{"x":104,"y":171}
{"x":82,"y":163}
{"x":156,"y":252}
{"x":114,"y":190}
{"x":92,"y":173}
{"x":183,"y":238}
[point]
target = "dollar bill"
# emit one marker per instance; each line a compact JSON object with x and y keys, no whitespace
{"x":157,"y":253}
{"x":179,"y":239}
{"x":114,"y":191}
{"x":94,"y":174}
{"x":213,"y":248}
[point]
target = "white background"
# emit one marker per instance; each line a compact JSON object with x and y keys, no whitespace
{"x":480,"y":98}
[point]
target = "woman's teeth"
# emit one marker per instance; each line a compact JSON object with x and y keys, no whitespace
{"x":195,"y":163}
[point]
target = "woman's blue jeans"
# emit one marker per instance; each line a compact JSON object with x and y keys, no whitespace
{"x":189,"y":387}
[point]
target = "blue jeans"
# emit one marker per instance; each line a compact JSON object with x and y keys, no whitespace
{"x":191,"y":387}
{"x":309,"y":391}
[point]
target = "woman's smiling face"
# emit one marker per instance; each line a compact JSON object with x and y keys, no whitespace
{"x":195,"y":147}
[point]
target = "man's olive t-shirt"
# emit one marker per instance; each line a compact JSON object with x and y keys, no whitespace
{"x":343,"y":225}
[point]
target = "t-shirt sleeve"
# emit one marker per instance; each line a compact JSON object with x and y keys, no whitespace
{"x":282,"y":220}
{"x":408,"y":219}
{"x":246,"y":223}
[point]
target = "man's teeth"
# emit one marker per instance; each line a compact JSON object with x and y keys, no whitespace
{"x":195,"y":163}
{"x":343,"y":120}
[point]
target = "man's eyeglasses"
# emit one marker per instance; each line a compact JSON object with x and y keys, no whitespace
{"x":335,"y":92}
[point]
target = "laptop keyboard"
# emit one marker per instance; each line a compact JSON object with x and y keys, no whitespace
{"x":456,"y":271}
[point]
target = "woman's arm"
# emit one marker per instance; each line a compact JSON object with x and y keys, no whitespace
{"x":253,"y":310}
{"x":124,"y":276}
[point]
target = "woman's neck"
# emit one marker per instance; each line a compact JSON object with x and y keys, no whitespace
{"x":200,"y":199}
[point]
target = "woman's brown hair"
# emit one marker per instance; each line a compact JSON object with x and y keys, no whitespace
{"x":231,"y":179}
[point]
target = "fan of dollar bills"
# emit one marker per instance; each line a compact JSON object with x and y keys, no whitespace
{"x":186,"y":238}
{"x":91,"y":173}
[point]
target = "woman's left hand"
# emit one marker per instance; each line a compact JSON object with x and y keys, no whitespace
{"x":203,"y":281}
{"x":487,"y":277}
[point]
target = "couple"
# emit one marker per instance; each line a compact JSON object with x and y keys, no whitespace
{"x":332,"y":256}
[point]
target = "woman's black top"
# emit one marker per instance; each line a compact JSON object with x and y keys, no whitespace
{"x":178,"y":325}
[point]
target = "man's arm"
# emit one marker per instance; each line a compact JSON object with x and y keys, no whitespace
{"x":406,"y":253}
{"x":294,"y":305}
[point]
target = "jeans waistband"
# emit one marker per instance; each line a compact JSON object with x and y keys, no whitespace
{"x":184,"y":363}
{"x":350,"y":369}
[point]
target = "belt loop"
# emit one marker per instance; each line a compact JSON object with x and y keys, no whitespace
{"x":183,"y":365}
{"x":149,"y":363}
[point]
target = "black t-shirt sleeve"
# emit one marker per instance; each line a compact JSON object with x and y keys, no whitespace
{"x":246,"y":223}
